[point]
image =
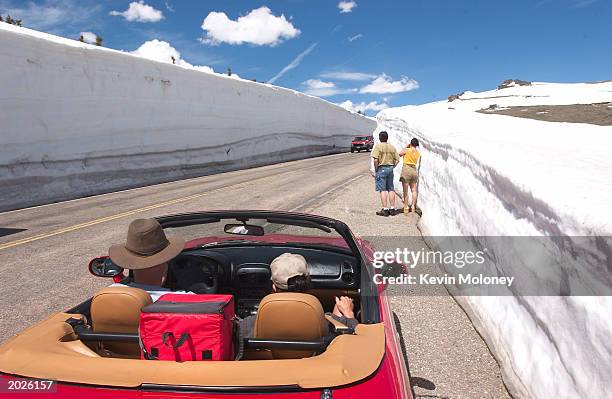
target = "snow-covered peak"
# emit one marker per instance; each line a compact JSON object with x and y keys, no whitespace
{"x":538,"y":93}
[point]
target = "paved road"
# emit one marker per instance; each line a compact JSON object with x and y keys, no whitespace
{"x":44,"y":253}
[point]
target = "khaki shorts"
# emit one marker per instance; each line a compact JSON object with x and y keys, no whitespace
{"x":409,"y":174}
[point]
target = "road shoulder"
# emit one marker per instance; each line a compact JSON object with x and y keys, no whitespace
{"x":447,"y":358}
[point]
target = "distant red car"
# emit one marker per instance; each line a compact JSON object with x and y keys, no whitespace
{"x":362,"y":143}
{"x":92,"y":350}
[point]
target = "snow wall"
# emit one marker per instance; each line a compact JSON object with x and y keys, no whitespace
{"x":78,"y":120}
{"x":489,"y":175}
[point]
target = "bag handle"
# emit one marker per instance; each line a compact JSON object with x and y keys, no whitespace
{"x":178,"y":343}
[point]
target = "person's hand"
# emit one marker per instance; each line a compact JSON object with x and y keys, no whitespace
{"x":344,"y":307}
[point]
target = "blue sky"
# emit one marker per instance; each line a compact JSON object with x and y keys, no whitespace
{"x":372,"y":52}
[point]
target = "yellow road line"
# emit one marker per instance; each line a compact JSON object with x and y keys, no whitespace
{"x":127,"y":213}
{"x":124,"y":214}
{"x":101,"y":220}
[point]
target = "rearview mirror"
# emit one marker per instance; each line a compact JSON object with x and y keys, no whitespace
{"x":244,"y":229}
{"x":104,"y":267}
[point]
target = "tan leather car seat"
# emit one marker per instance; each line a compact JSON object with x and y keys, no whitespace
{"x":117,"y":310}
{"x":290,"y":315}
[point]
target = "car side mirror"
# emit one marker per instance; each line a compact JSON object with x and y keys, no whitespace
{"x":392,"y":270}
{"x":244,"y":229}
{"x":104,"y":267}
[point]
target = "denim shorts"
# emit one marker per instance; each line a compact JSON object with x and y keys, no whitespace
{"x":384,"y":178}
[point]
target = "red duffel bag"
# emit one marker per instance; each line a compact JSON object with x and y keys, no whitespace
{"x":184,"y":327}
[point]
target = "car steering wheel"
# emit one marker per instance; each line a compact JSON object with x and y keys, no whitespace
{"x":195,"y":274}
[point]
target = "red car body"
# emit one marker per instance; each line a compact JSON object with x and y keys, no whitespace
{"x":390,"y":381}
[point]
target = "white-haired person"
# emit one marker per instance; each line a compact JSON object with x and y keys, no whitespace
{"x":290,"y":274}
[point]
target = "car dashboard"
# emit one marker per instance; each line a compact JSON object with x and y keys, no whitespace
{"x":244,"y":271}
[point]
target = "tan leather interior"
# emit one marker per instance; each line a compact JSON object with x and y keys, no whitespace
{"x":117,"y":310}
{"x":50,"y":350}
{"x":290,"y":315}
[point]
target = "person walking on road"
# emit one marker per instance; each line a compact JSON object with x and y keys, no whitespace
{"x":385,"y":159}
{"x":410,"y":175}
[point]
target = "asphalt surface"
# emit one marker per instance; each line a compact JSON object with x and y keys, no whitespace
{"x":44,"y":253}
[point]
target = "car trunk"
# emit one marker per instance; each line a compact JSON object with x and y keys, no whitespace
{"x":51,"y":350}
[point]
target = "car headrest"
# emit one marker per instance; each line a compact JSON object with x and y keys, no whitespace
{"x":290,"y":315}
{"x":117,"y":309}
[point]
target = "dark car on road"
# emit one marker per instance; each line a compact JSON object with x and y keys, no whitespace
{"x":362,"y":143}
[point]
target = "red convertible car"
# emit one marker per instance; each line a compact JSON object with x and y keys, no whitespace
{"x":93,"y":349}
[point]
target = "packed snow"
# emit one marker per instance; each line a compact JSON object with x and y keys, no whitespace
{"x":494,"y":175}
{"x":538,"y":93}
{"x":79,"y":119}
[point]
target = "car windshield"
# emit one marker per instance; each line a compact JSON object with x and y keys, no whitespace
{"x":361,"y":138}
{"x":258,"y":231}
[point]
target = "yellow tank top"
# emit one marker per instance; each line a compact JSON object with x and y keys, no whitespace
{"x":411,"y":157}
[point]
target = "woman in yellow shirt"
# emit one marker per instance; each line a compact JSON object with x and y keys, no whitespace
{"x":410,"y":175}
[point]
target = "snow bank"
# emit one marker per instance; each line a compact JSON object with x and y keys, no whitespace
{"x":494,"y":175}
{"x":538,"y":93}
{"x":77,"y":119}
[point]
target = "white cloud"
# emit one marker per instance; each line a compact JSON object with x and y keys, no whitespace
{"x":140,"y":12}
{"x":353,"y":38}
{"x":346,"y":6}
{"x":383,"y":84}
{"x":259,"y":27}
{"x":207,"y":69}
{"x":319,"y":88}
{"x":89,"y":37}
{"x":293,"y":64}
{"x":583,"y":3}
{"x":374,"y":106}
{"x":169,"y":6}
{"x":319,"y":84}
{"x":343,"y":75}
{"x":363,"y":107}
{"x":157,"y":50}
{"x":162,"y":51}
{"x":55,"y":16}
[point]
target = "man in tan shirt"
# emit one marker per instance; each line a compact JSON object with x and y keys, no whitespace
{"x":385,"y":159}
